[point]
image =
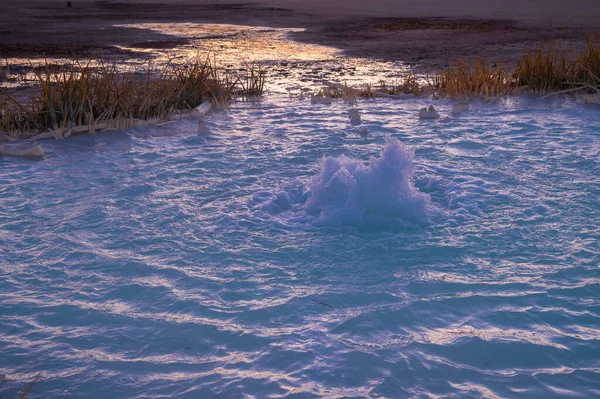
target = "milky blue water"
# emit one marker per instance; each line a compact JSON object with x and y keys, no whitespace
{"x":286,"y":255}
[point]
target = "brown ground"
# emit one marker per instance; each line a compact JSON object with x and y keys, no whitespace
{"x":425,"y":33}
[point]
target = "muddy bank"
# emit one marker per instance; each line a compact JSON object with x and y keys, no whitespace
{"x":429,"y":43}
{"x":38,"y":28}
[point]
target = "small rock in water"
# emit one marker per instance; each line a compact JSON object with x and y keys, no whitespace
{"x":320,"y":99}
{"x":461,"y":107}
{"x":33,"y":150}
{"x":428,"y":113}
{"x":202,"y":109}
{"x":203,"y":129}
{"x":363,"y":130}
{"x":588,"y":99}
{"x":354,"y":116}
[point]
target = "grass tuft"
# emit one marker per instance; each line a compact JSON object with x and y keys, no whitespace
{"x":252,"y":83}
{"x":482,"y":80}
{"x":544,"y":70}
{"x":407,"y":85}
{"x":397,"y":87}
{"x":80,"y":97}
{"x":548,"y":70}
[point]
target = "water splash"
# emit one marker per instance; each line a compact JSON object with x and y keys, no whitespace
{"x":346,"y":191}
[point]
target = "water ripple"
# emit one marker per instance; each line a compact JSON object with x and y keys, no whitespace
{"x":156,"y":263}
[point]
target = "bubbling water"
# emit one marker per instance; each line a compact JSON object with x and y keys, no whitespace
{"x":346,"y":191}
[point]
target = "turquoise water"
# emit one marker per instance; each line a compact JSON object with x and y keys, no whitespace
{"x":444,"y":259}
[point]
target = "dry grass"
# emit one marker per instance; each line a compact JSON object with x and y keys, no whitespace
{"x":396,"y":87}
{"x":482,"y":80}
{"x":29,"y":387}
{"x":544,"y":70}
{"x":548,"y":70}
{"x":76,"y":95}
{"x":461,"y":80}
{"x":345,"y":92}
{"x":587,"y":66}
{"x":252,"y":84}
{"x":407,"y":85}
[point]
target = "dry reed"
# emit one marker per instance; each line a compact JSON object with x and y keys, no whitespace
{"x":548,"y":70}
{"x":407,"y":85}
{"x":482,"y":80}
{"x":345,"y":92}
{"x":24,"y":394}
{"x":396,"y":87}
{"x":544,"y":70}
{"x":85,"y":95}
{"x":76,"y":97}
{"x":252,"y":83}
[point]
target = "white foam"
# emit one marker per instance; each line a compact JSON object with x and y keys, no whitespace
{"x":350,"y":192}
{"x":346,"y":191}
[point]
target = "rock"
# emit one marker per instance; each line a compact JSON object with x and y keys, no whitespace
{"x":460,"y":107}
{"x":202,"y":109}
{"x":428,"y":113}
{"x":320,"y":99}
{"x":354,"y":116}
{"x":588,"y":99}
{"x":203,"y":129}
{"x":363,"y":130}
{"x":27,"y":149}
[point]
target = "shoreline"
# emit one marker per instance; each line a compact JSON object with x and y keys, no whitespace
{"x":391,"y":49}
{"x":381,"y":30}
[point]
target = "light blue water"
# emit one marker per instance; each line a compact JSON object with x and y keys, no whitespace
{"x":159,"y":263}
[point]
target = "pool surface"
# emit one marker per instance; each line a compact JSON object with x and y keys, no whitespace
{"x":284,"y":254}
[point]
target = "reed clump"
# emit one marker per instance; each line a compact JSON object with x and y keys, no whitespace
{"x":549,"y":69}
{"x":397,"y":87}
{"x":81,"y":97}
{"x":406,"y":85}
{"x":482,"y":80}
{"x":345,"y":92}
{"x":587,"y":66}
{"x":545,"y":70}
{"x":252,"y":82}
